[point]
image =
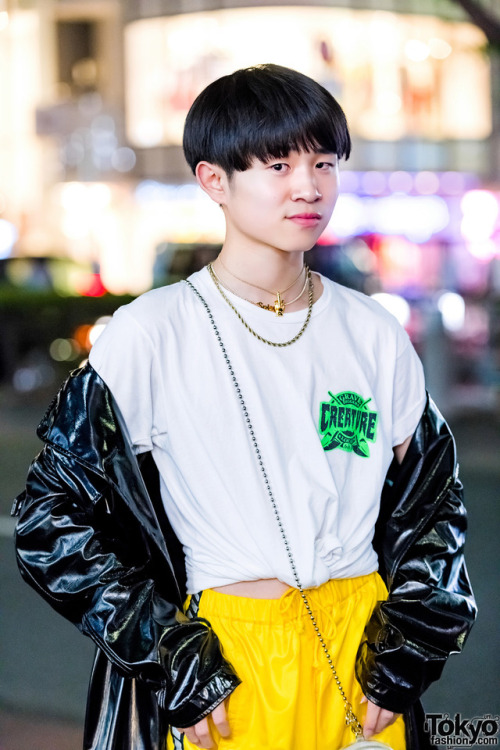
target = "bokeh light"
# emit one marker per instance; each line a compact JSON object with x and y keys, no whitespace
{"x":64,"y":350}
{"x":426,"y":183}
{"x":439,"y":49}
{"x":452,"y":309}
{"x":374,"y":183}
{"x":400,"y":182}
{"x":480,"y":213}
{"x":416,"y":50}
{"x":8,"y":238}
{"x":396,"y":305}
{"x":98,"y":327}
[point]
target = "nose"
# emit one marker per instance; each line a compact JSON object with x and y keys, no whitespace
{"x":306,"y":188}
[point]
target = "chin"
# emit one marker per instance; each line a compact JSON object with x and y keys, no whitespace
{"x":302,"y":248}
{"x":303,"y":244}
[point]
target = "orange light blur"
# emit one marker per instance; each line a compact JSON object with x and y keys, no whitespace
{"x":81,"y":336}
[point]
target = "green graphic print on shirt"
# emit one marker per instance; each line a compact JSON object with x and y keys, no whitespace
{"x":345,"y":422}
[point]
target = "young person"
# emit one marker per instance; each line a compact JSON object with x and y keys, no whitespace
{"x":299,"y":462}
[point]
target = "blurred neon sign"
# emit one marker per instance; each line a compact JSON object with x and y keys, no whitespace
{"x":417,"y":217}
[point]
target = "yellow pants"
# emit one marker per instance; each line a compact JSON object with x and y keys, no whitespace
{"x":288,"y":699}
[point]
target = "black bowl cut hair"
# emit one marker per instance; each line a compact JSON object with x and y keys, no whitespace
{"x":263,"y":112}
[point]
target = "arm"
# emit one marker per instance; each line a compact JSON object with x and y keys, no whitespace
{"x":420,"y":536}
{"x":81,"y":548}
{"x":377,"y":719}
{"x":400,"y":450}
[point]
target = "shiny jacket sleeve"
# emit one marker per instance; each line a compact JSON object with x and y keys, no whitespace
{"x":420,"y":538}
{"x":84,"y":550}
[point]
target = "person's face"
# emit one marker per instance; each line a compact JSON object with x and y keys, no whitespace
{"x":284,"y":203}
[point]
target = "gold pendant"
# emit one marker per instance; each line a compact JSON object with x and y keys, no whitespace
{"x":279,"y":305}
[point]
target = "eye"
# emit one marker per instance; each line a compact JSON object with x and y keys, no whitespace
{"x":325,"y":165}
{"x":279,"y":167}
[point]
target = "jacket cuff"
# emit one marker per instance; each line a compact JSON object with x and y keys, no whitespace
{"x":188,"y":708}
{"x":381,"y":668}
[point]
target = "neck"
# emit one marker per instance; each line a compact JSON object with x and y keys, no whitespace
{"x":274,"y":271}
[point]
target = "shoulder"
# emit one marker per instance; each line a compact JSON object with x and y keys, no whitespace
{"x":133,"y":333}
{"x":149,"y":322}
{"x":166,"y":306}
{"x":155,"y":306}
{"x":150,"y":315}
{"x":360,"y":311}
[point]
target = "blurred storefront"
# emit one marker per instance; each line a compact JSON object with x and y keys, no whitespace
{"x":93,"y":98}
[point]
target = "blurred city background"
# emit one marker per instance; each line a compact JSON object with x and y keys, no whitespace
{"x":97,"y":206}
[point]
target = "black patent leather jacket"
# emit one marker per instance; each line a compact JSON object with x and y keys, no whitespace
{"x":419,"y":539}
{"x":90,"y":540}
{"x":95,"y":543}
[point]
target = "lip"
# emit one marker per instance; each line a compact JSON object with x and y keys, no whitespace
{"x":305,"y":219}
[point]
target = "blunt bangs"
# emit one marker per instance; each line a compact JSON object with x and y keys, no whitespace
{"x":263,"y":112}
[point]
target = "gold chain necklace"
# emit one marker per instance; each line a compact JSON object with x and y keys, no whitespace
{"x":263,"y":305}
{"x":279,"y":304}
{"x":254,"y":333}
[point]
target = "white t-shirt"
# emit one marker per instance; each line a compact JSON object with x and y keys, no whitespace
{"x":326,"y":412}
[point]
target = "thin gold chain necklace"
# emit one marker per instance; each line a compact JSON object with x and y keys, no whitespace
{"x":254,"y":333}
{"x":263,"y":305}
{"x":279,"y":304}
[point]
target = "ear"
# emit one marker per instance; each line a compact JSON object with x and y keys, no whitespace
{"x":213,"y":180}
